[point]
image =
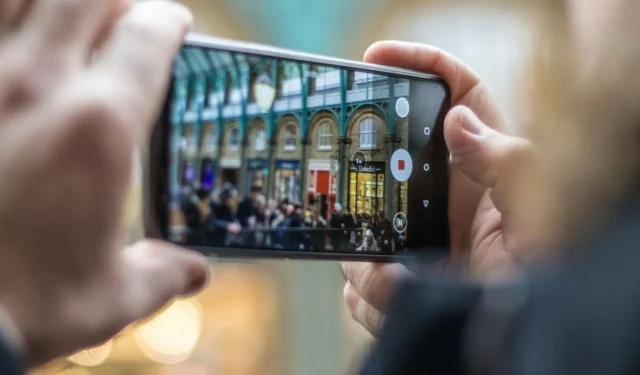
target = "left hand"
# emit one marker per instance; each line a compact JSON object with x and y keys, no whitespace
{"x":69,"y":122}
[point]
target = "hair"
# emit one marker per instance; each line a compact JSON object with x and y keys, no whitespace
{"x":203,"y":193}
{"x":586,"y":128}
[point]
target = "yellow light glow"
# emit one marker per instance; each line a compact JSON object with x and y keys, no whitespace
{"x":170,"y":337}
{"x":75,"y":371}
{"x":93,"y":356}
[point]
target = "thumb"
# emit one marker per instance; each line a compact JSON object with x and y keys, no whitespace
{"x":157,"y":273}
{"x":478,"y":151}
{"x":484,"y":155}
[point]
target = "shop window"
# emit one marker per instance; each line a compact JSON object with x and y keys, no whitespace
{"x":324,"y":136}
{"x":261,"y":139}
{"x":290,"y":137}
{"x":234,"y":139}
{"x":368,"y":133}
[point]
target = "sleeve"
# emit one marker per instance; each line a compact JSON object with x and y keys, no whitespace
{"x":10,"y":347}
{"x":424,"y":329}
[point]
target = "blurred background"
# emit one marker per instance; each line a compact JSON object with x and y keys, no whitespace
{"x":288,"y":317}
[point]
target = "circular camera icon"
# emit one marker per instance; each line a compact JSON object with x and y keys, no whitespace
{"x":400,"y":222}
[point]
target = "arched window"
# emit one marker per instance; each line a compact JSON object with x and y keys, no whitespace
{"x":260,"y":139}
{"x":324,"y":136}
{"x":211,"y":139}
{"x":290,"y":138}
{"x":234,"y":139}
{"x":368,"y":132}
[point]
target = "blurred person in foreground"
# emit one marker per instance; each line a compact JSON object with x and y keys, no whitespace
{"x":545,"y":239}
{"x":75,"y":116}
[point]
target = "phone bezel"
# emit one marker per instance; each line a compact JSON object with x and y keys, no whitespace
{"x":156,"y":158}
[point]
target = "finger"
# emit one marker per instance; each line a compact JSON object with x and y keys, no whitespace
{"x":119,"y":8}
{"x":374,"y":282}
{"x":428,"y":59}
{"x":12,"y":12}
{"x":139,"y":55}
{"x":156,"y":273}
{"x":67,"y":28}
{"x":484,"y":155}
{"x":362,"y":312}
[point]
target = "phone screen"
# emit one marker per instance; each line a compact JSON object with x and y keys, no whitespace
{"x":281,"y":155}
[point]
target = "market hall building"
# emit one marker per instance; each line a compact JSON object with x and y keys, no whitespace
{"x":291,"y":128}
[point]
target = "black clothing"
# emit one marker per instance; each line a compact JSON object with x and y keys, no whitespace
{"x":10,"y":364}
{"x":220,"y":217}
{"x":317,"y":236}
{"x":246,"y":209}
{"x":293,"y":238}
{"x":336,"y":234}
{"x":581,"y":316}
{"x":385,"y":235}
{"x":191,"y":213}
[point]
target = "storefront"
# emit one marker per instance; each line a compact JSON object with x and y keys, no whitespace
{"x":208,"y":174}
{"x":209,"y":155}
{"x":230,"y":167}
{"x":287,"y":180}
{"x":366,"y":188}
{"x":321,"y":186}
{"x":256,"y":173}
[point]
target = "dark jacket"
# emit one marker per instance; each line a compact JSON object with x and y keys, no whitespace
{"x":246,"y":209}
{"x":219,"y":219}
{"x":579,"y":316}
{"x":10,"y":364}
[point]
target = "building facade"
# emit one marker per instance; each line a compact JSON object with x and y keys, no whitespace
{"x":300,"y":146}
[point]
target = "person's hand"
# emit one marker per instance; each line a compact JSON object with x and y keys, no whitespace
{"x":69,"y":121}
{"x":234,"y":228}
{"x":484,"y":236}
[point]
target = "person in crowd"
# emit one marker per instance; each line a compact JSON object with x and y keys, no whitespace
{"x":385,"y":232}
{"x":317,"y":235}
{"x":247,"y":214}
{"x":359,"y":229}
{"x":249,"y":206}
{"x":337,"y":225}
{"x":224,"y":220}
{"x":349,"y":224}
{"x":261,"y":222}
{"x":293,"y":236}
{"x":369,"y":243}
{"x":189,"y":208}
{"x":372,"y":225}
{"x":198,"y":217}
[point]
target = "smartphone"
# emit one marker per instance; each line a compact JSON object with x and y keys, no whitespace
{"x":266,"y":152}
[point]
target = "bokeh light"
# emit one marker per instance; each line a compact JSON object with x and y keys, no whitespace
{"x":93,"y":356}
{"x":171,"y":337}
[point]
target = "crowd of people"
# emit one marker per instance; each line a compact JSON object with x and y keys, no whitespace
{"x":222,"y":218}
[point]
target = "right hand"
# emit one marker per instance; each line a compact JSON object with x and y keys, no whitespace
{"x":484,"y":235}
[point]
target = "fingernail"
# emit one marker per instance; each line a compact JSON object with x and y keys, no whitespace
{"x":470,"y":122}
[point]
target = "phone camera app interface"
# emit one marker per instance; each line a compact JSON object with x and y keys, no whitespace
{"x":274,"y":154}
